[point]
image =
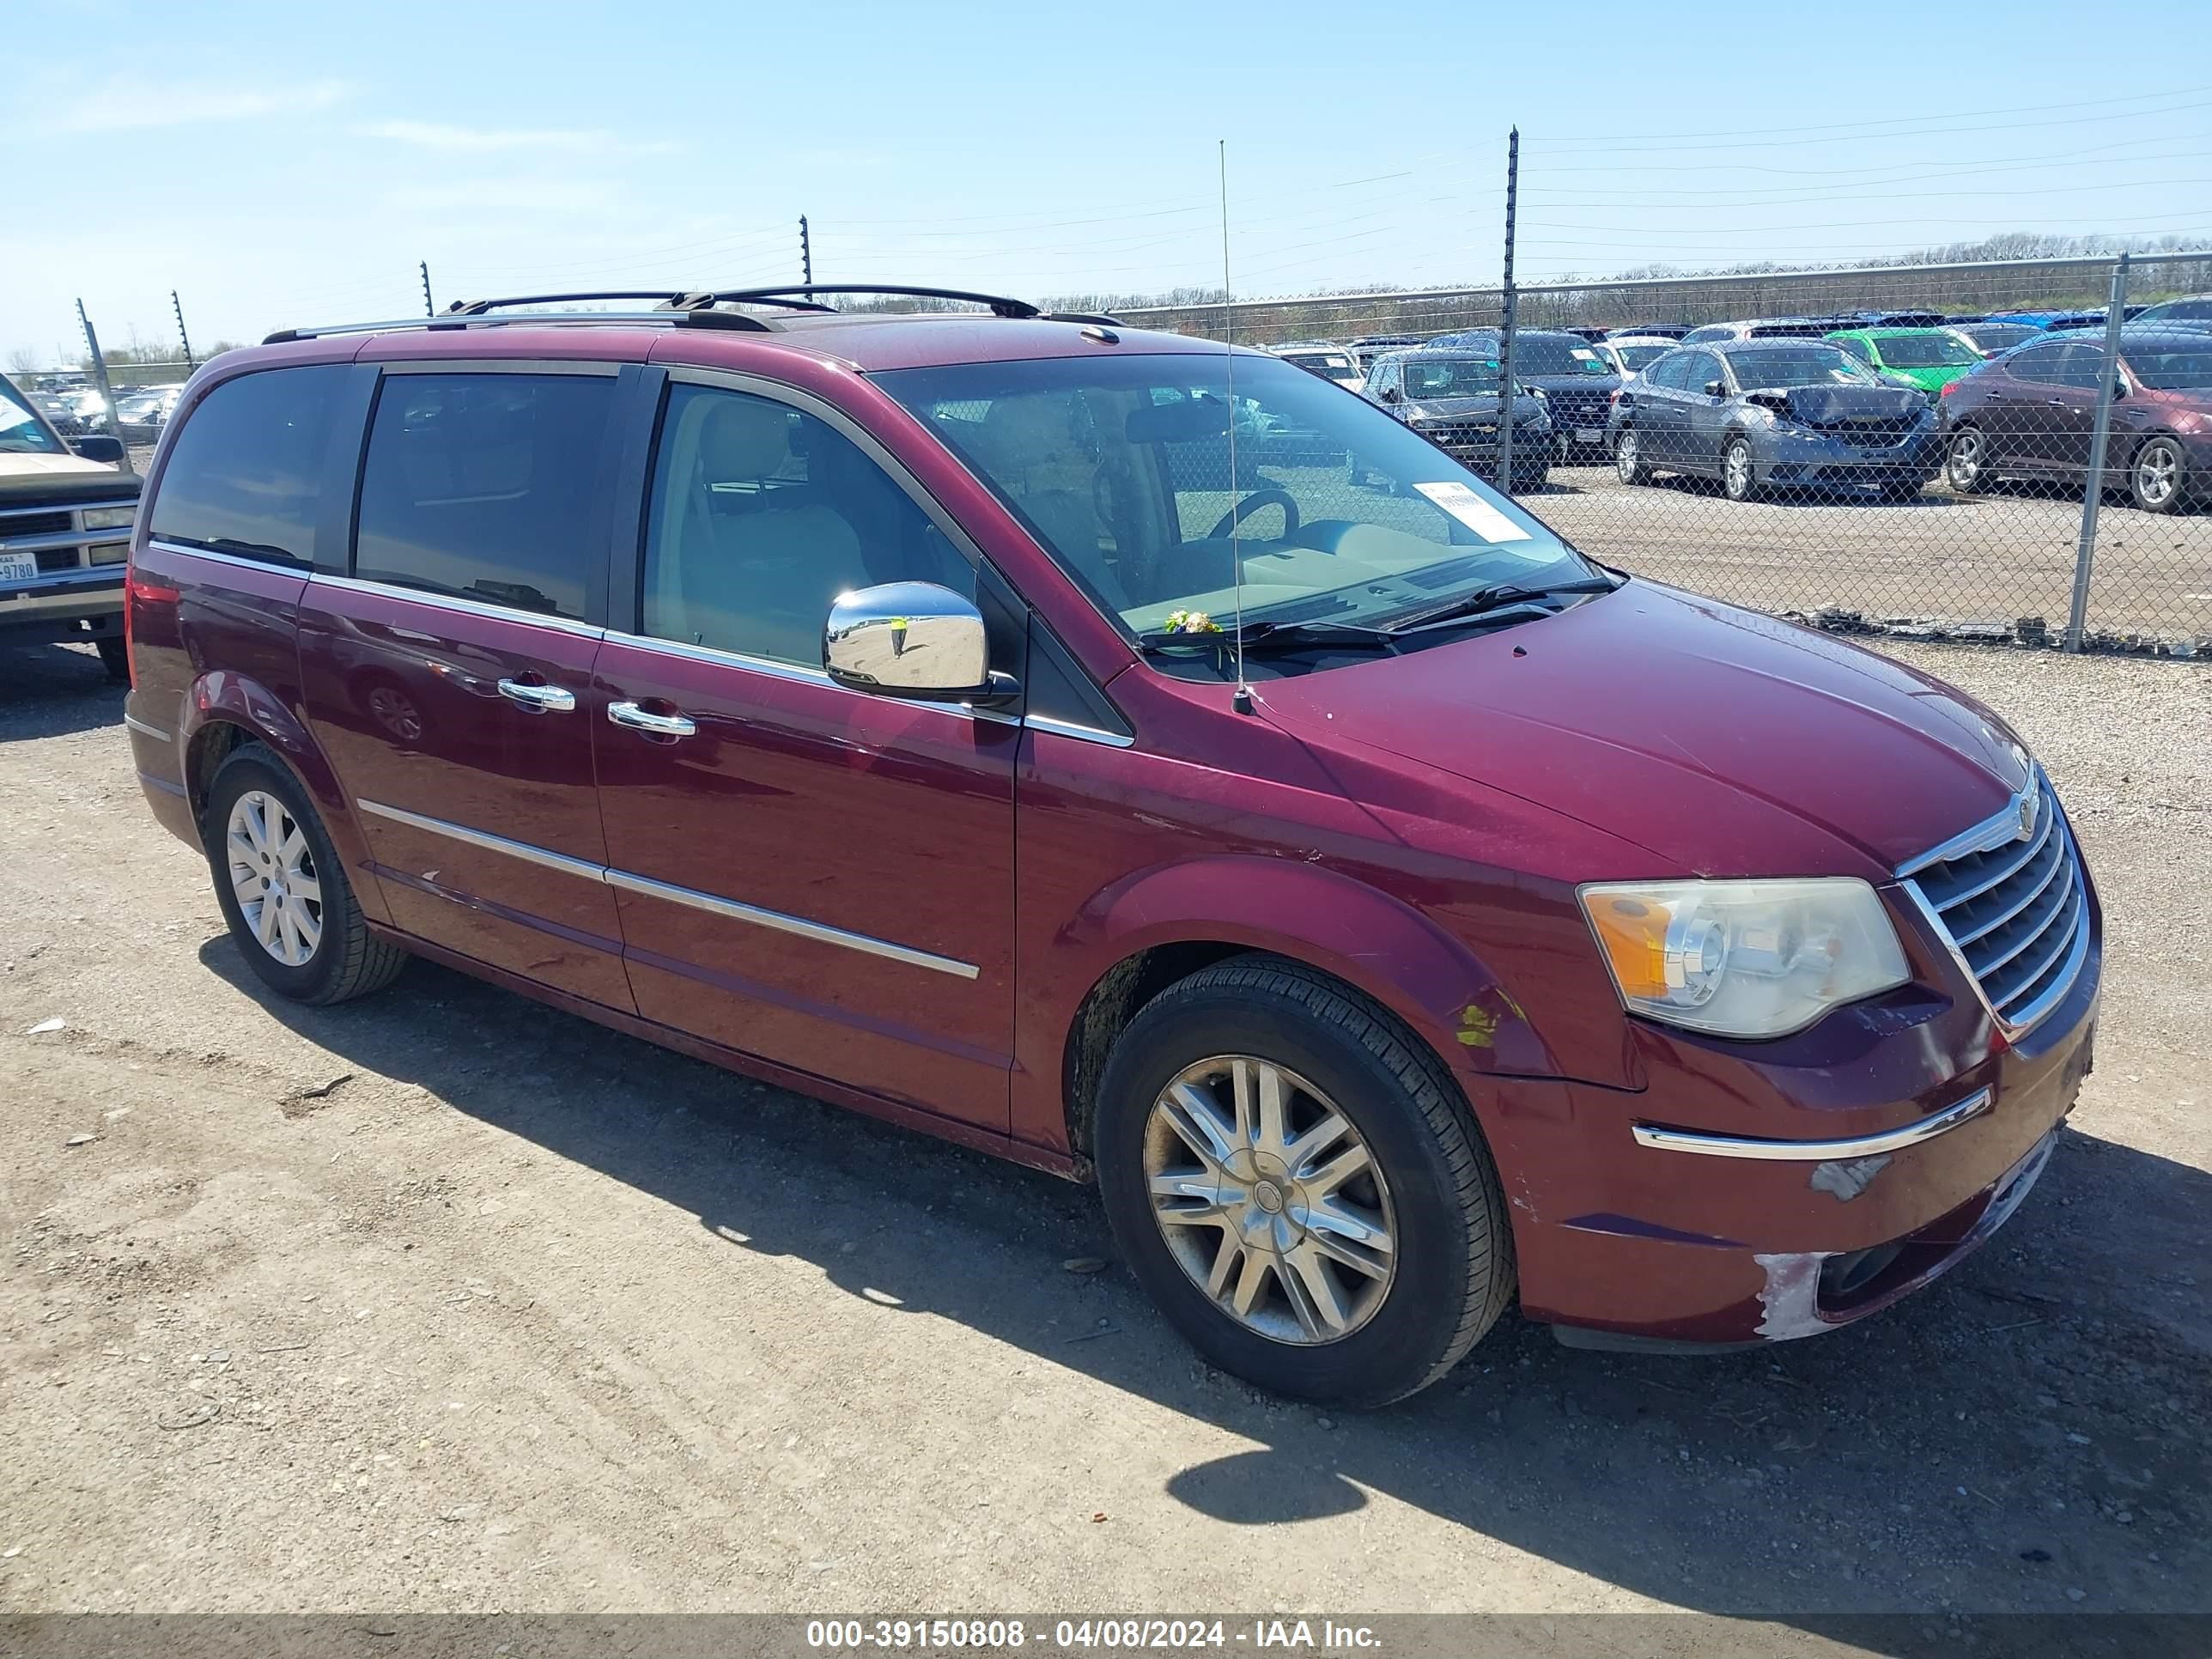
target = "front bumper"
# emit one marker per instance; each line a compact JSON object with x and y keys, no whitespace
{"x":79,"y":606}
{"x":1795,"y":455}
{"x":1670,"y":1243}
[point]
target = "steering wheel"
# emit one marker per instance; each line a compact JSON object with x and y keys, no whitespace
{"x":1271,"y":495}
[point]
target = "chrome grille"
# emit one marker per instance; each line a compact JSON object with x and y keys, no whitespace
{"x":2017,"y":910}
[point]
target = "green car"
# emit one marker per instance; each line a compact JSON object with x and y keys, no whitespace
{"x":1929,"y":358}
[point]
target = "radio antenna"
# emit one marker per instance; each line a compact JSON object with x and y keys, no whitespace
{"x":1241,"y":699}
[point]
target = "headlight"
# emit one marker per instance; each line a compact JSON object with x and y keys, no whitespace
{"x":109,"y":518}
{"x":1743,"y":958}
{"x":1415,"y":413}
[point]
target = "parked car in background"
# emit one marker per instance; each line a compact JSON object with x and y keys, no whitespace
{"x":1766,"y":328}
{"x":1325,"y":358}
{"x":2031,"y":414}
{"x":1575,"y":380}
{"x":1463,"y":923}
{"x":1451,"y":396}
{"x":1755,"y":414}
{"x":1900,"y":318}
{"x":66,"y":511}
{"x":1926,"y":359}
{"x":146,"y":412}
{"x":1649,"y":330}
{"x":1993,"y":335}
{"x":1629,"y":353}
{"x":2196,"y":308}
{"x":1365,"y":349}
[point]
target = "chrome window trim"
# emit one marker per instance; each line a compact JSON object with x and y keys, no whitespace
{"x":605,"y":367}
{"x":1814,"y":1151}
{"x":713,"y":903}
{"x":796,"y":674}
{"x":491,"y":844}
{"x":146,"y":731}
{"x":450,"y":602}
{"x":1060,"y":728}
{"x":282,"y":567}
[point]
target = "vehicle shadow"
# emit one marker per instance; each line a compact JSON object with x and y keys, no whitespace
{"x":2027,"y":1427}
{"x":52,"y":691}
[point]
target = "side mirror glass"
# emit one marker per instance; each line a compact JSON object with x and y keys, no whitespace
{"x":99,"y":448}
{"x":1715,"y":389}
{"x":911,"y":639}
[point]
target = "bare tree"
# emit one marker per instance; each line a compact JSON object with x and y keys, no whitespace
{"x":23,"y":360}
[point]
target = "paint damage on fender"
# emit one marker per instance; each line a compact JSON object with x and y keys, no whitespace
{"x":1791,"y":1297}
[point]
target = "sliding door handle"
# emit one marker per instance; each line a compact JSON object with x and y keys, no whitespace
{"x":644,"y":719}
{"x":542,"y":699}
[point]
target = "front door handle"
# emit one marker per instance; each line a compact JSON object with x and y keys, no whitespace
{"x":541,"y":699}
{"x":644,"y":719}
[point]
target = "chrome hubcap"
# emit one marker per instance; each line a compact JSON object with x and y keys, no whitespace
{"x":273,"y":876}
{"x":1269,"y":1199}
{"x":1624,"y":455}
{"x":2155,"y":472}
{"x":1739,"y":469}
{"x":1967,"y":458}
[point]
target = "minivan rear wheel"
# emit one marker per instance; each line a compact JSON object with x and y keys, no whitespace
{"x":284,"y":890}
{"x":1291,"y":1178}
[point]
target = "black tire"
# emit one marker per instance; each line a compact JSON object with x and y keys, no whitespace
{"x":1739,"y":476}
{"x":347,"y":961}
{"x":1453,"y":1237}
{"x":2158,"y":474}
{"x":1628,"y":464}
{"x":114,"y":658}
{"x":1966,"y":461}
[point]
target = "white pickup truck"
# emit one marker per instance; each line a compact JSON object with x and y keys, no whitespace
{"x":66,"y":516}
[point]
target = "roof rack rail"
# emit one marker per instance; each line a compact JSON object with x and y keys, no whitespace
{"x":1000,"y":305}
{"x":677,"y":309}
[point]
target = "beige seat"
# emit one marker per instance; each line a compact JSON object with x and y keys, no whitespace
{"x":753,"y":573}
{"x":1026,"y":444}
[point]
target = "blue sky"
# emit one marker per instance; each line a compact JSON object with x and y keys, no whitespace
{"x":280,"y":164}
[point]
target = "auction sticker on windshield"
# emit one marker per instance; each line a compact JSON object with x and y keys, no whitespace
{"x":1471,"y":510}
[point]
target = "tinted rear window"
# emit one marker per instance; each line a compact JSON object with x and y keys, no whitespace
{"x":244,"y":477}
{"x":480,"y":486}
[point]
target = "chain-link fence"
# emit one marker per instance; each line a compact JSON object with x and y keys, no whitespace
{"x":1904,"y":449}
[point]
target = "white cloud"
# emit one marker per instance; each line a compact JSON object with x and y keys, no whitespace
{"x":130,"y":104}
{"x":439,"y":135}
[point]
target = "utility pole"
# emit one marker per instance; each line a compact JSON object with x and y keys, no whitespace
{"x":805,"y":254}
{"x":99,"y":374}
{"x":2100,"y":433}
{"x":1505,"y":356}
{"x":430,"y":306}
{"x":183,"y":338}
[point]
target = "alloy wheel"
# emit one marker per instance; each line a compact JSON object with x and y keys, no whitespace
{"x":1269,"y":1199}
{"x":1625,"y":455}
{"x":1965,"y":459}
{"x":2158,"y":473}
{"x":1735,"y":471}
{"x":273,"y":876}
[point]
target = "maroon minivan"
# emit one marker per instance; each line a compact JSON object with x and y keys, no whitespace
{"x":1024,"y":728}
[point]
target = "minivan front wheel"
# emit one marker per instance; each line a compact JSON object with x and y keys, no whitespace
{"x":1290,"y":1176}
{"x":284,"y":890}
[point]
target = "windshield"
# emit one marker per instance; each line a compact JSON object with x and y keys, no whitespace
{"x":1994,"y":337}
{"x":1120,"y":467}
{"x":1783,"y":366}
{"x":1330,"y":365}
{"x":1451,"y":377}
{"x":1548,"y":354}
{"x":2180,"y":368}
{"x":23,"y":433}
{"x":1930,"y":350}
{"x":1635,"y":356}
{"x":2182,"y":311}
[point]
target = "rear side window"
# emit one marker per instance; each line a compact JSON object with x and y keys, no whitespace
{"x":244,"y":477}
{"x":2039,"y":363}
{"x":481,"y":486}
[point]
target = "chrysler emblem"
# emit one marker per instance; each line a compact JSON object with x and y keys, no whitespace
{"x":2026,"y":816}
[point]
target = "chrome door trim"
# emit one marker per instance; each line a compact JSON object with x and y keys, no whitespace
{"x":630,"y":881}
{"x":448,"y":601}
{"x":281,"y":566}
{"x":146,"y":731}
{"x":784,"y":924}
{"x":1060,"y":728}
{"x":490,"y":843}
{"x":797,"y":674}
{"x":539,"y":699}
{"x":1815,"y":1151}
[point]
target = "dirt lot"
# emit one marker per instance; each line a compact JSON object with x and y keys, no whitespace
{"x":442,"y":1301}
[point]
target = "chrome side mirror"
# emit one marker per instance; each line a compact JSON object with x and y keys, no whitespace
{"x":911,"y":639}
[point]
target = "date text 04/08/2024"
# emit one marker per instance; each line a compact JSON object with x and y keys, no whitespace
{"x":1321,"y":1636}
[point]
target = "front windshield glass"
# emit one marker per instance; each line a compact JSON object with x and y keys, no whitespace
{"x":1331,"y":365}
{"x":1635,"y":356}
{"x":2181,"y":369}
{"x":1780,"y":368}
{"x":1994,"y":337}
{"x":1121,"y":468}
{"x":1930,"y":350}
{"x":1451,"y":377}
{"x":1548,"y":354}
{"x":23,"y":433}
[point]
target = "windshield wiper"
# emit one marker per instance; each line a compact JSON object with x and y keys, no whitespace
{"x":1487,"y":601}
{"x":1261,"y":636}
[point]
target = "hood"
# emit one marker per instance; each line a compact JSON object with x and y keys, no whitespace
{"x":1842,"y":406}
{"x":38,"y":480}
{"x":1726,"y":742}
{"x":1596,"y":385}
{"x":47,"y":466}
{"x":1526,"y":409}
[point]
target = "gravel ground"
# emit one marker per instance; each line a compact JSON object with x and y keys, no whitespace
{"x":442,"y":1301}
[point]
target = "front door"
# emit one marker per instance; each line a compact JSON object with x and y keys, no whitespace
{"x":448,"y":677}
{"x":816,"y":876}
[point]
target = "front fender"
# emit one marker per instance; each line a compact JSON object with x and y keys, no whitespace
{"x":223,"y":697}
{"x":1379,"y":945}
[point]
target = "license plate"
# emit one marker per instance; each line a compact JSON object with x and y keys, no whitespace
{"x":1588,"y":434}
{"x":18,"y":567}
